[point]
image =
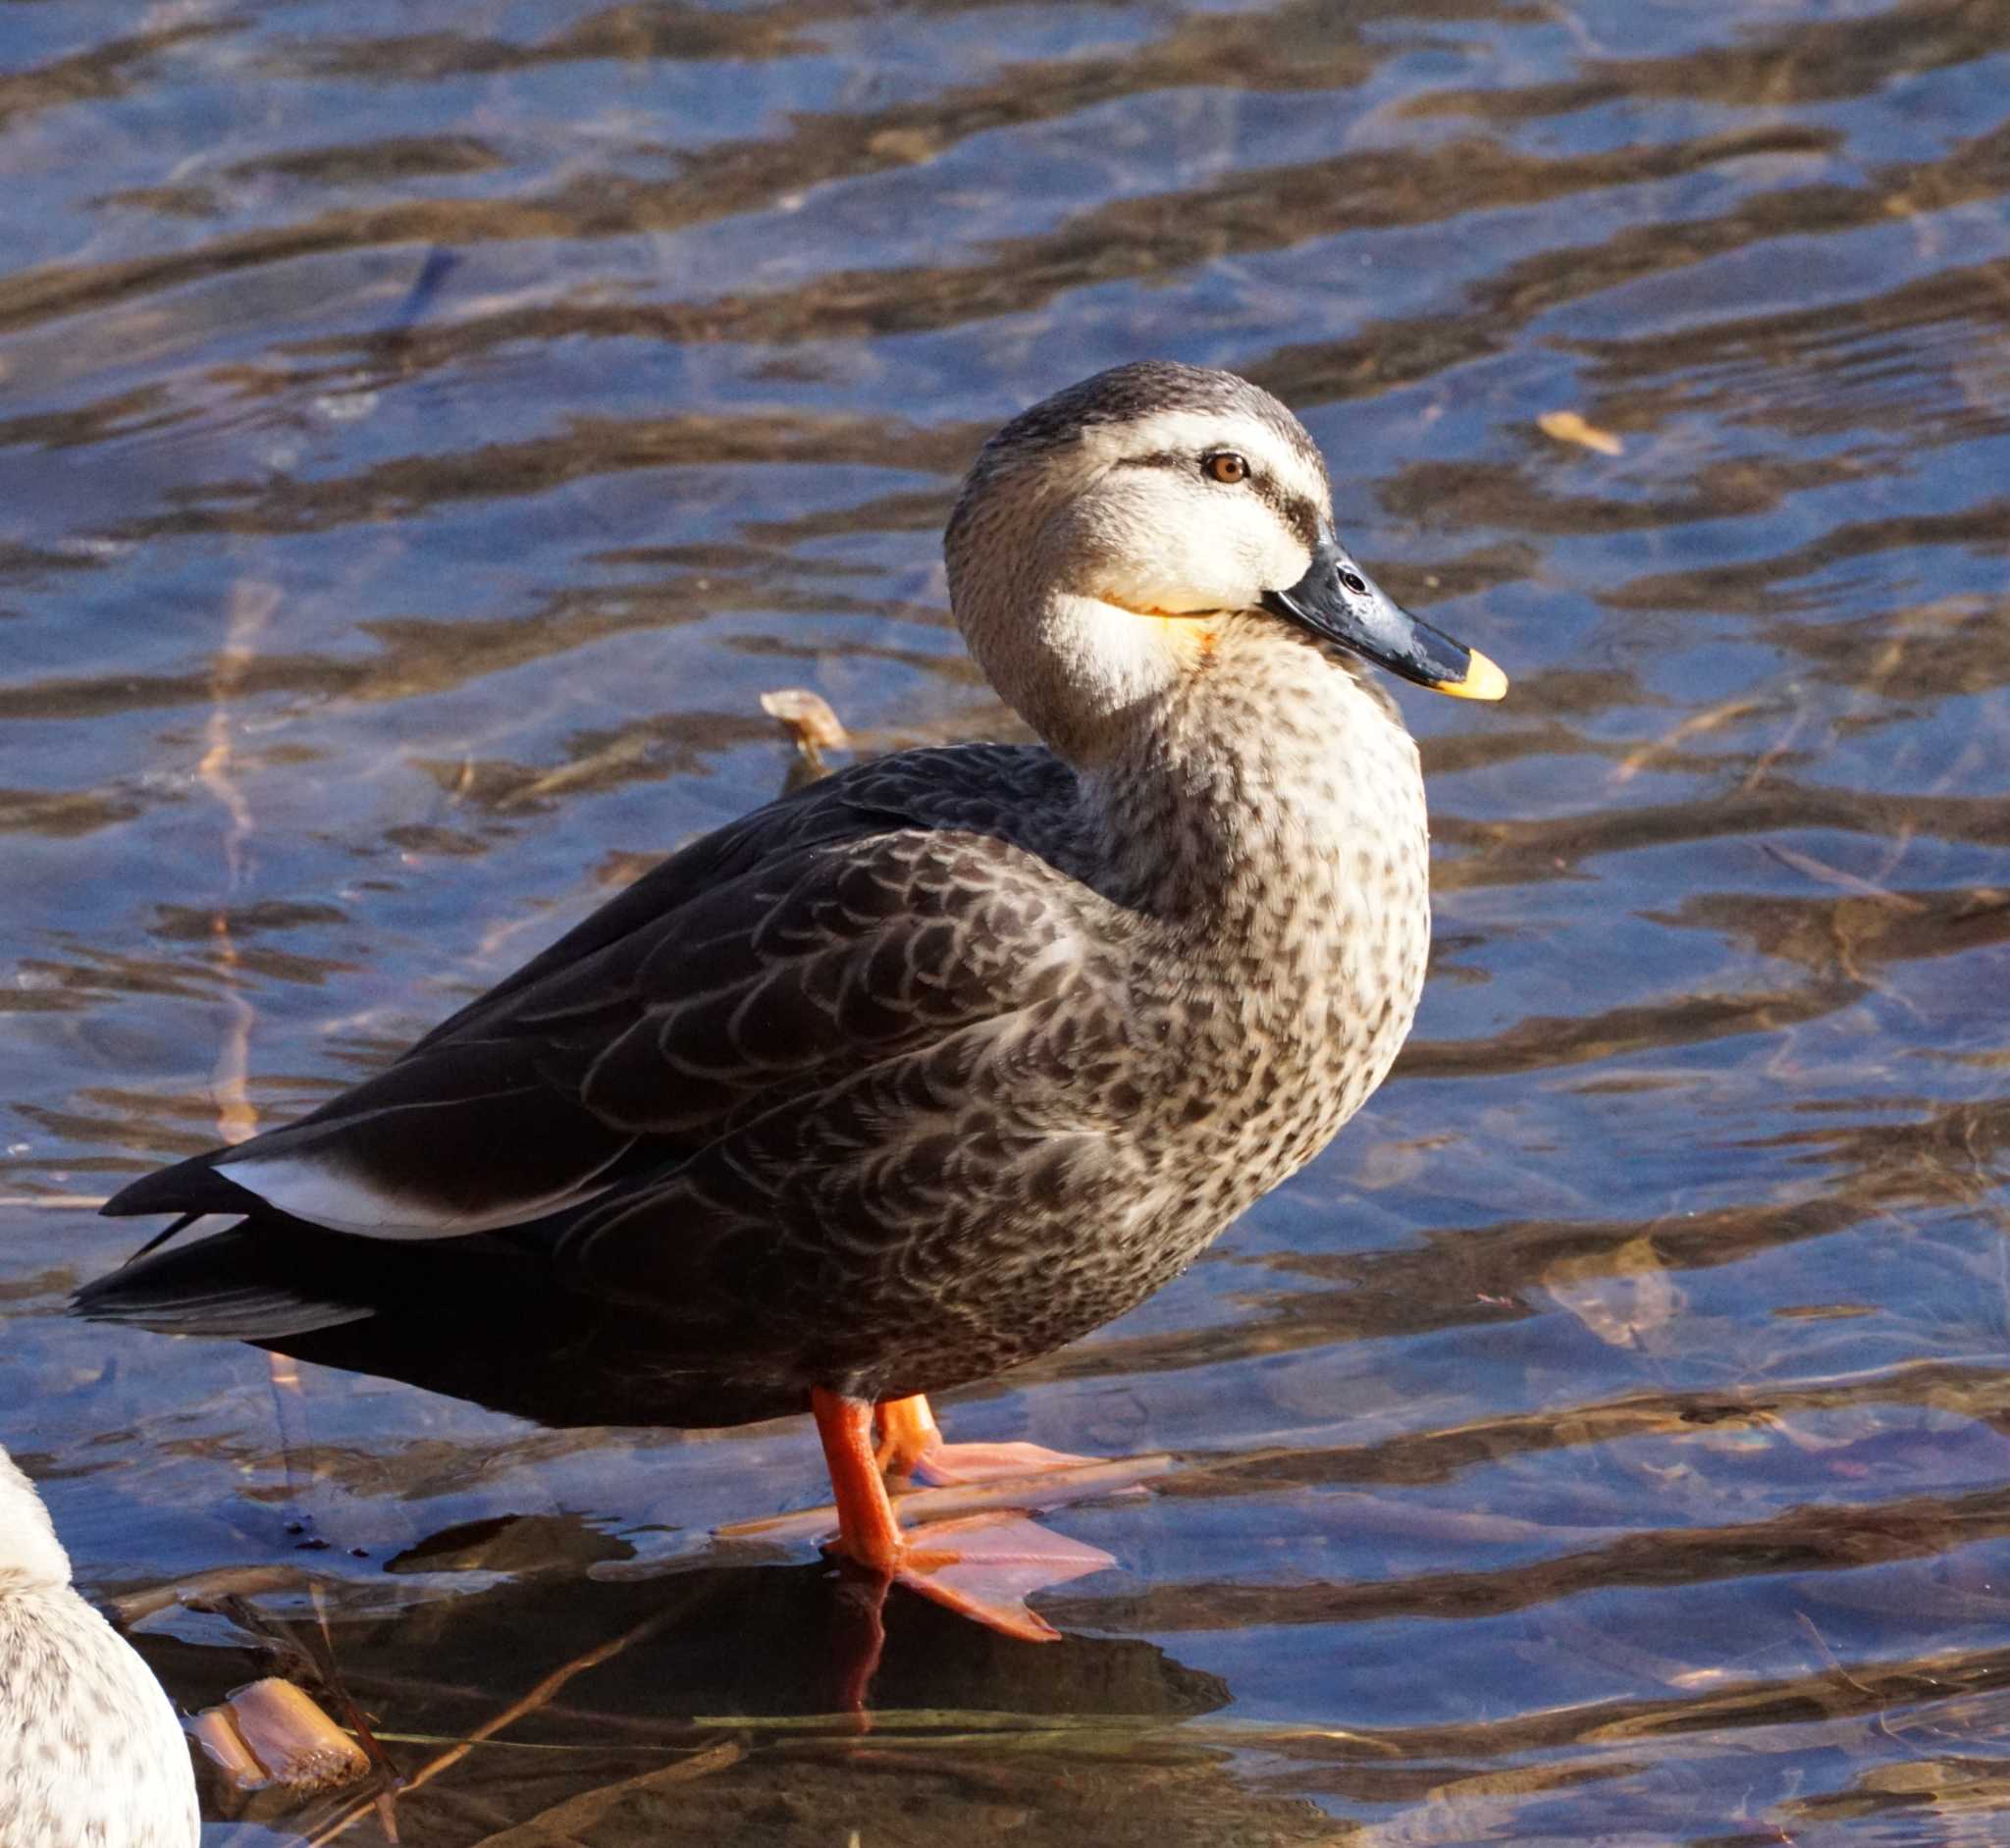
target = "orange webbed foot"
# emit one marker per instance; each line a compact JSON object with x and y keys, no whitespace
{"x":981,"y":1565}
{"x":912,"y":1445}
{"x":949,"y":1463}
{"x":984,"y":1567}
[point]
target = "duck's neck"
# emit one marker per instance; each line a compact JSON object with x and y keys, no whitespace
{"x":1269,"y":776}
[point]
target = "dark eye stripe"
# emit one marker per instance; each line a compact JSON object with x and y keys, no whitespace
{"x":1296,"y":512}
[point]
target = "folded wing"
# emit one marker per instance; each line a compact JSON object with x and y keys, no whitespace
{"x":760,"y":970}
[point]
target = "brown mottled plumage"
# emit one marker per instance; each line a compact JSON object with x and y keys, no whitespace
{"x":946,"y":1060}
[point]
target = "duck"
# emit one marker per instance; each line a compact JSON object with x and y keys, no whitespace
{"x":935,"y":1065}
{"x":90,"y":1751}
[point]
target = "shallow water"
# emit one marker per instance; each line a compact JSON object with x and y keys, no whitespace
{"x":421,"y":447}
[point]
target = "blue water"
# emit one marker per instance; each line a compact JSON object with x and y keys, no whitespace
{"x":424,"y":438}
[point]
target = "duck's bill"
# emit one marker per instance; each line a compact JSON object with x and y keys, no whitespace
{"x":1337,"y":600}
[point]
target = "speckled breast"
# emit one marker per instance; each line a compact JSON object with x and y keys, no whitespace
{"x":1273,"y":975}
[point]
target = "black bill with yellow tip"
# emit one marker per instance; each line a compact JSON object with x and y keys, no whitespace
{"x":1338,"y":601}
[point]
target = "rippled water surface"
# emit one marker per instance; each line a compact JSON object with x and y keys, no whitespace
{"x":425,"y":433}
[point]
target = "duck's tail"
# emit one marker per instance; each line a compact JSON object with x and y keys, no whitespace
{"x":482,"y":1318}
{"x":239,"y":1284}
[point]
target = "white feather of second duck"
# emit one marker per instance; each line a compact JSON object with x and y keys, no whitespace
{"x":90,"y":1752}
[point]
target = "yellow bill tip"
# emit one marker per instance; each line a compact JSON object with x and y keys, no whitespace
{"x":1483,"y":680}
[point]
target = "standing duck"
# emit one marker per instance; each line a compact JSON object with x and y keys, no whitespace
{"x":940,"y":1063}
{"x":90,"y":1752}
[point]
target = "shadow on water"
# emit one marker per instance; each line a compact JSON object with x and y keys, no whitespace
{"x":715,"y":1700}
{"x":420,"y":448}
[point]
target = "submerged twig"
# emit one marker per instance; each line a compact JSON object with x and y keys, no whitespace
{"x":1711,"y":718}
{"x":563,"y":1821}
{"x":1826,"y":875}
{"x":208,"y":1591}
{"x":528,"y":1703}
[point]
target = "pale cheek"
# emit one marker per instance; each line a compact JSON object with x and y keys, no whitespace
{"x":1191,"y":566}
{"x":1117,"y":657}
{"x":1276,"y":560}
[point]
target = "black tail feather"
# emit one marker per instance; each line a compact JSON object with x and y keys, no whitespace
{"x":161,"y":1238}
{"x":191,"y":1188}
{"x":481,"y":1318}
{"x":229,"y":1283}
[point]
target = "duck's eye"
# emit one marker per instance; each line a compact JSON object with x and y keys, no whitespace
{"x":1354,"y":582}
{"x":1225,"y":466}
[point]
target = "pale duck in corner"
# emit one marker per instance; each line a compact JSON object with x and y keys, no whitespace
{"x":91,"y":1754}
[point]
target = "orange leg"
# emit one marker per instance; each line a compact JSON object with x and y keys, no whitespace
{"x":908,"y":1432}
{"x":981,"y":1566}
{"x":867,"y":1532}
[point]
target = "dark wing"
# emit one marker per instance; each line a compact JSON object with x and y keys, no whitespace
{"x":876,"y":914}
{"x":919,"y":1217}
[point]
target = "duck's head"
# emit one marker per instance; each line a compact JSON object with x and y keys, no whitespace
{"x":30,"y":1554}
{"x":1104,"y":535}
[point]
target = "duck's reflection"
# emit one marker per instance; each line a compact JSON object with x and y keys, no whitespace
{"x":605,"y":1672}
